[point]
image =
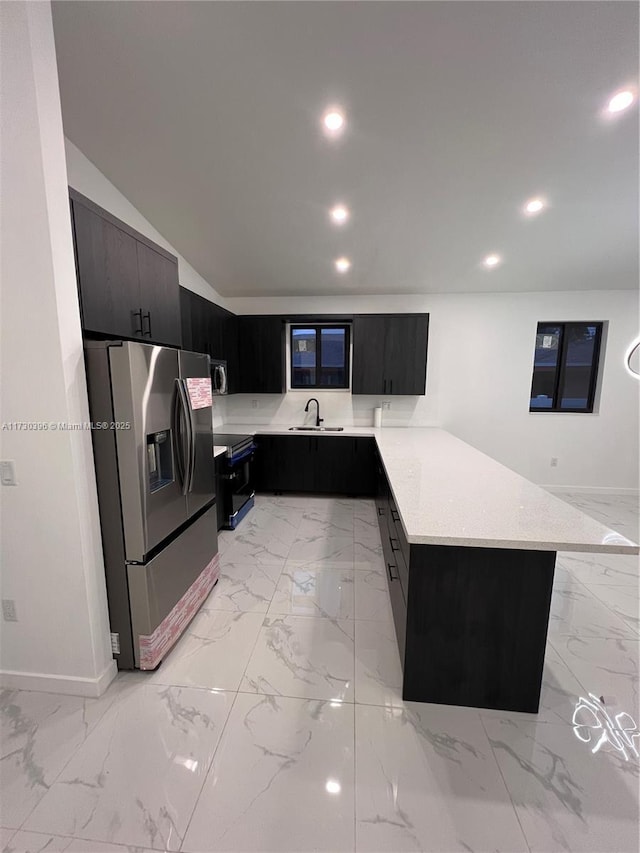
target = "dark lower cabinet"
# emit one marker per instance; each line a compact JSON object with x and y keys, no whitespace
{"x":471,"y":623}
{"x":316,"y":463}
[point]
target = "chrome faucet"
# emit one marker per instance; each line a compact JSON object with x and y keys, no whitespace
{"x":319,"y":420}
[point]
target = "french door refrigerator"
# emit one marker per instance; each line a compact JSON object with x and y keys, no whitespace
{"x":153,"y":451}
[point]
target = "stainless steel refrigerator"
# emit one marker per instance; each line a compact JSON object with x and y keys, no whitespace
{"x":153,"y":451}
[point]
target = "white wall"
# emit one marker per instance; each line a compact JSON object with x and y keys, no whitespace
{"x":89,"y":180}
{"x":50,"y":546}
{"x":479,"y":370}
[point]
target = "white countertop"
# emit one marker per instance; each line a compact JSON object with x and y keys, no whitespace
{"x":449,"y":493}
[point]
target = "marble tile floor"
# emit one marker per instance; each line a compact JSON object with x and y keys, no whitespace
{"x":277,"y":722}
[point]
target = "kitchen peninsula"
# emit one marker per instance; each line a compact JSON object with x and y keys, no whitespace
{"x":469,"y":548}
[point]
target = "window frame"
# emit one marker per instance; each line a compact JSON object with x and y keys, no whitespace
{"x":559,"y":384}
{"x":317,"y":327}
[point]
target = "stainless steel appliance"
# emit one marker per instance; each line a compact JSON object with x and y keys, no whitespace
{"x":219,"y":383}
{"x":237,"y":494}
{"x":152,"y":438}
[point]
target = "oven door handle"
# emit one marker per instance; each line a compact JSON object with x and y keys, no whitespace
{"x":243,"y":454}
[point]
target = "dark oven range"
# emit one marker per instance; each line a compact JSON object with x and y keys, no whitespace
{"x":235,"y":493}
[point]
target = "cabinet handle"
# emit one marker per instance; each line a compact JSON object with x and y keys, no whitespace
{"x":148,"y":318}
{"x":392,"y":577}
{"x":394,"y":515}
{"x":392,"y":540}
{"x":380,"y":511}
{"x":391,"y":386}
{"x":135,"y":314}
{"x":384,"y":387}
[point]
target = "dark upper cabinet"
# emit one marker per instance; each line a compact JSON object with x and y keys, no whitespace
{"x":185,"y":319}
{"x":159,"y":296}
{"x":390,"y":354}
{"x":368,"y":354}
{"x":128,"y":285}
{"x":261,"y":355}
{"x":107,"y":267}
{"x":208,"y":328}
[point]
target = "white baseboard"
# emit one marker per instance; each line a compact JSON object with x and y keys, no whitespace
{"x":68,"y":684}
{"x":592,"y":490}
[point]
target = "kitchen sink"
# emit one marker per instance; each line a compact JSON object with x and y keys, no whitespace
{"x":316,"y":429}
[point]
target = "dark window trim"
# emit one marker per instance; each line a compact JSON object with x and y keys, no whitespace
{"x":347,"y":348}
{"x":558,"y":390}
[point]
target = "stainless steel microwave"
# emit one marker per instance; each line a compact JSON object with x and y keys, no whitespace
{"x":219,"y":383}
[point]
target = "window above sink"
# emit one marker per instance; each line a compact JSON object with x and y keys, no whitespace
{"x":319,"y":356}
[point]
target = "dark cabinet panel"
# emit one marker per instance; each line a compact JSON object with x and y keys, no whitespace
{"x":406,"y":354}
{"x":261,"y":355}
{"x":107,"y":265}
{"x":283,"y":464}
{"x":230,"y":350}
{"x":390,"y":354}
{"x":315,"y":463}
{"x":128,"y":285}
{"x":159,"y":297}
{"x":368,"y":354}
{"x":185,"y":320}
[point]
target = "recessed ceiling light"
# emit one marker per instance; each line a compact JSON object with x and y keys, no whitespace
{"x":339,"y":214}
{"x":333,"y":121}
{"x":534,"y":205}
{"x":332,"y":786}
{"x":492,"y":261}
{"x":620,"y":101}
{"x":343,"y":264}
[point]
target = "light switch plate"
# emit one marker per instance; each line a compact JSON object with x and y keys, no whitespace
{"x":7,"y":472}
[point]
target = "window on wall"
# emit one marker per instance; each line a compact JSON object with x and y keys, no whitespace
{"x":565,"y":367}
{"x":319,"y":356}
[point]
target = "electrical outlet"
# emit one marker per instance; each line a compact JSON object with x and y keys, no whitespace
{"x":386,"y":405}
{"x":9,"y":610}
{"x":254,"y":404}
{"x":554,"y":461}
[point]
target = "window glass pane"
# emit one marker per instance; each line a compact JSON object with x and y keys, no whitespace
{"x":579,"y":366}
{"x":333,"y":368}
{"x":303,"y":356}
{"x":545,"y":366}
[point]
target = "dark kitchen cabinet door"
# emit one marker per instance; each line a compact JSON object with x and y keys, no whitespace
{"x":159,"y":297}
{"x":283,"y":463}
{"x":261,"y":355}
{"x":230,"y":349}
{"x":405,"y":354}
{"x":333,"y":464}
{"x":368,"y":354}
{"x":364,"y":467}
{"x":107,"y":265}
{"x":185,"y":319}
{"x":390,"y":354}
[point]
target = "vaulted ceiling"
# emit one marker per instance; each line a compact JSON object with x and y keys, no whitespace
{"x":207,"y":116}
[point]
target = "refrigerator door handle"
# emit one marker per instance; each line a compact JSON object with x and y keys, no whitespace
{"x":183,"y":458}
{"x":192,"y":437}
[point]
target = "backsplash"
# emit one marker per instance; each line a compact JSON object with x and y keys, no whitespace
{"x":336,"y":407}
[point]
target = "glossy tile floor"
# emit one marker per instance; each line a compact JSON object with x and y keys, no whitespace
{"x":277,"y":724}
